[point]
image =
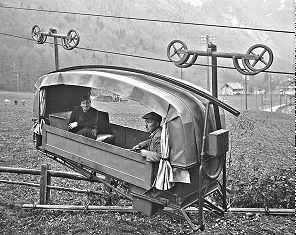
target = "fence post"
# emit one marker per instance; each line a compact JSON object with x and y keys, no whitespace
{"x":48,"y":183}
{"x":44,"y":182}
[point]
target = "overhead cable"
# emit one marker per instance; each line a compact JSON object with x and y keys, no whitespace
{"x":139,"y":56}
{"x":150,"y":20}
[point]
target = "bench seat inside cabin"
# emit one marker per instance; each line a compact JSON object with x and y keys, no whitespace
{"x":61,"y":120}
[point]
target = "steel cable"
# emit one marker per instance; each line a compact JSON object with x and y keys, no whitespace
{"x":141,"y":57}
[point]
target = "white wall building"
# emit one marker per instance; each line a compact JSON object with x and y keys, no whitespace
{"x":232,"y":88}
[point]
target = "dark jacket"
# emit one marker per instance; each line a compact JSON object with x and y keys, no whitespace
{"x":88,"y":119}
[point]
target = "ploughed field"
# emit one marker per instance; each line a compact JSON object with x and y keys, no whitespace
{"x":260,"y":174}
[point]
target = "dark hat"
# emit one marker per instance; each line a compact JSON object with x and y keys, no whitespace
{"x":153,"y":116}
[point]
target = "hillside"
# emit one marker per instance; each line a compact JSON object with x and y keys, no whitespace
{"x":148,"y":39}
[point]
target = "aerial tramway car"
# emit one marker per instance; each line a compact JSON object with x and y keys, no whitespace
{"x":194,"y":137}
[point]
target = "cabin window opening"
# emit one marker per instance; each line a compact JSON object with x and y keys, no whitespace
{"x":122,"y":111}
{"x":125,"y":117}
{"x":63,"y":98}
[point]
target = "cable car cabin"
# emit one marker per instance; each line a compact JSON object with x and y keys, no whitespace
{"x":194,"y":145}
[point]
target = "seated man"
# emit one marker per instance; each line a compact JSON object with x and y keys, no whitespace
{"x":151,"y":148}
{"x":83,"y":119}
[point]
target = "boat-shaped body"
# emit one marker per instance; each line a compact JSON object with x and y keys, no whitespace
{"x":197,"y":141}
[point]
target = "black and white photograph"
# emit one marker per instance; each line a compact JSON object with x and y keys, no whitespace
{"x":159,"y":117}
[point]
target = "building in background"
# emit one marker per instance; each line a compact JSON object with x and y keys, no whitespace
{"x":287,"y":87}
{"x":232,"y":88}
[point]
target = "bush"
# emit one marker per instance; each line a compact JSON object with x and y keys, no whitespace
{"x":261,"y":161}
{"x":273,"y":190}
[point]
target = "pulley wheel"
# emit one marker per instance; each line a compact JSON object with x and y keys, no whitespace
{"x":262,"y":62}
{"x":72,"y":40}
{"x":35,"y":32}
{"x":185,"y":64}
{"x":64,"y":44}
{"x":42,"y":39}
{"x":243,"y":70}
{"x":176,"y":52}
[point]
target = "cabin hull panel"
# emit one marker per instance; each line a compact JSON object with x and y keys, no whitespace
{"x":101,"y":157}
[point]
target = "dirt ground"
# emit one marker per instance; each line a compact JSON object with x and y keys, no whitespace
{"x":17,"y":150}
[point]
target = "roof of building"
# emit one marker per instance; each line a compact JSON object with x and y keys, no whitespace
{"x":234,"y":85}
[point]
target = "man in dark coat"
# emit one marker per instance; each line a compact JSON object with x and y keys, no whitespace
{"x":83,"y":119}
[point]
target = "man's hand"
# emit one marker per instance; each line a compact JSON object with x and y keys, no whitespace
{"x":150,"y":156}
{"x":94,"y":132}
{"x":73,"y":125}
{"x":136,"y":147}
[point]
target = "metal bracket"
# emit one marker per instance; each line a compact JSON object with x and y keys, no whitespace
{"x":69,"y":41}
{"x":253,"y":61}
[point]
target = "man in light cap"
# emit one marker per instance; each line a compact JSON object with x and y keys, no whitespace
{"x":151,"y":148}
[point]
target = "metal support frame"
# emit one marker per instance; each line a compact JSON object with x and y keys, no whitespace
{"x":202,"y":171}
{"x":56,"y":50}
{"x":89,"y":173}
{"x":204,"y":191}
{"x":69,"y":41}
{"x":250,"y":63}
{"x":213,"y":48}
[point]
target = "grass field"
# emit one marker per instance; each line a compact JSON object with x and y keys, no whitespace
{"x":255,"y":102}
{"x":260,"y":173}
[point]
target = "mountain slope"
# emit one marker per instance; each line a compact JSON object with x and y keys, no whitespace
{"x":148,"y":39}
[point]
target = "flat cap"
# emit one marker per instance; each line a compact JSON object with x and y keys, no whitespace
{"x":152,"y":116}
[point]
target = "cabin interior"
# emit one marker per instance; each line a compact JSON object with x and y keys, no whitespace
{"x":60,"y":101}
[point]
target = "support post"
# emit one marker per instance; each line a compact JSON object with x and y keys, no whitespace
{"x":181,"y":74}
{"x":17,"y":82}
{"x":256,"y":95}
{"x":270,"y":92}
{"x":56,"y":53}
{"x":44,"y":180}
{"x":217,"y":117}
{"x":56,"y":50}
{"x":246,"y":93}
{"x":241,"y":101}
{"x":213,"y":48}
{"x":200,"y":199}
{"x":224,"y":184}
{"x":48,"y":183}
{"x":208,"y":39}
{"x":208,"y":66}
